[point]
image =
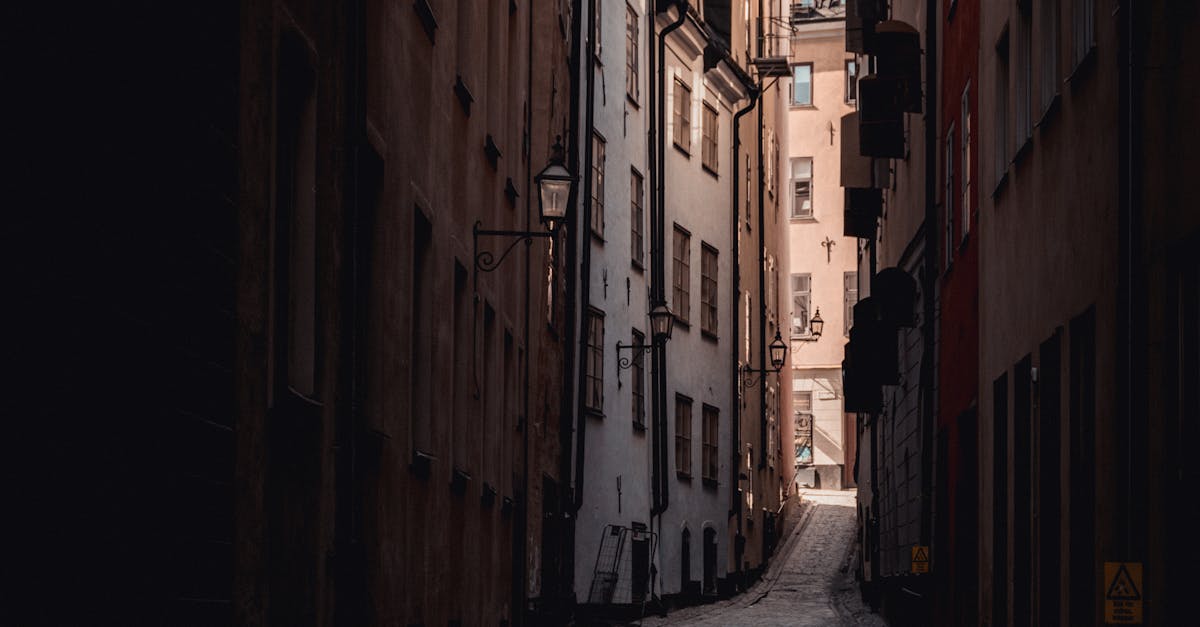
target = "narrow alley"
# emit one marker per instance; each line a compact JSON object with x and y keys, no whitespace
{"x":812,"y":582}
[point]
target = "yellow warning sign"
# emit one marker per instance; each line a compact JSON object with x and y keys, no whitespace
{"x":920,"y":558}
{"x":1123,"y":593}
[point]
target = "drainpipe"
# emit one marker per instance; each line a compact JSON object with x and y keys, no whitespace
{"x":657,"y":269}
{"x":762,"y":302}
{"x":930,"y":271}
{"x":735,"y":367}
{"x":520,"y":596}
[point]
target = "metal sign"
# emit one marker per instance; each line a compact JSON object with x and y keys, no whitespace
{"x":920,"y":559}
{"x":1122,"y":593}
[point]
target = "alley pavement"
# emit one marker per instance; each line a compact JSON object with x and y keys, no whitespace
{"x":810,"y":582}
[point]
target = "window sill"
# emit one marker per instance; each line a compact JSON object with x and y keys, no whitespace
{"x":709,"y":483}
{"x":631,"y":99}
{"x":962,"y":245}
{"x":597,"y":236}
{"x":594,"y":413}
{"x":1078,"y":72}
{"x":803,"y":220}
{"x":710,"y":335}
{"x":640,"y":427}
{"x":682,"y":323}
{"x":1023,"y":150}
{"x":704,"y":166}
{"x":683,"y":476}
{"x":685,"y":151}
{"x":637,"y":265}
{"x":795,"y":107}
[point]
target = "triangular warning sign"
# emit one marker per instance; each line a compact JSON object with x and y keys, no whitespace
{"x":1122,"y":587}
{"x":920,"y":555}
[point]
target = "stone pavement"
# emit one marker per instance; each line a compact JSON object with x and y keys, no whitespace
{"x":809,"y":583}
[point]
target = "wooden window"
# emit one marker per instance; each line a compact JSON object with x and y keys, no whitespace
{"x":708,"y":148}
{"x":598,"y":148}
{"x":596,"y":30}
{"x":948,"y":197}
{"x":681,"y":270}
{"x":851,"y":81}
{"x":803,"y":435}
{"x":802,"y":188}
{"x":709,"y":461}
{"x":637,"y":218}
{"x":682,"y":130}
{"x":593,"y":397}
{"x":849,"y":299}
{"x":1048,"y":43}
{"x":708,"y":289}
{"x":802,"y":85}
{"x":1024,"y":77}
{"x":965,"y":161}
{"x":683,"y":435}
{"x":801,"y":300}
{"x":1000,"y":123}
{"x":638,"y":370}
{"x":632,"y":86}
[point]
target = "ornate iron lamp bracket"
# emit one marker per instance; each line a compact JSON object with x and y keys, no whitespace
{"x":486,"y":260}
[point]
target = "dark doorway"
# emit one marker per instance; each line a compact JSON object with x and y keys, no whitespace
{"x":1049,"y":479}
{"x":550,"y":539}
{"x":685,"y":561}
{"x":966,"y":523}
{"x":1082,"y":507}
{"x":1022,"y":492}
{"x":1000,"y":501}
{"x":710,"y":560}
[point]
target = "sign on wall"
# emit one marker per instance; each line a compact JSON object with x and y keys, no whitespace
{"x":1122,"y":593}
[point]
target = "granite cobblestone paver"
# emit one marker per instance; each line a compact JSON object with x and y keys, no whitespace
{"x":811,"y":583}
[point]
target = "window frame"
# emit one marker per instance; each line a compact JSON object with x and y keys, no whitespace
{"x":710,"y":438}
{"x":681,"y":115}
{"x":633,"y":73}
{"x":805,"y":329}
{"x":849,"y":299}
{"x":681,"y":270}
{"x":637,"y":218}
{"x":593,"y":398}
{"x":949,"y":193}
{"x":709,"y":139}
{"x":794,"y":180}
{"x":637,"y":391}
{"x":599,"y":156}
{"x":792,"y":101}
{"x":965,"y":140}
{"x":709,"y":284}
{"x":683,"y":437}
{"x":851,"y":69}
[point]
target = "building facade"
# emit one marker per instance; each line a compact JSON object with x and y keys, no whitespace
{"x":822,"y":268}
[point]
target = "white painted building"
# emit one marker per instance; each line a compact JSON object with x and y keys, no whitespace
{"x":616,"y":536}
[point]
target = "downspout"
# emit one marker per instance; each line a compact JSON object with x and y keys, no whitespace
{"x":735,"y":367}
{"x":652,"y":173}
{"x":657,"y":268}
{"x":930,"y":271}
{"x":584,"y":229}
{"x":520,"y":596}
{"x":762,"y":301}
{"x":566,"y":546}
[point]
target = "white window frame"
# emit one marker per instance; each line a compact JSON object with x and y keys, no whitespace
{"x":799,"y":213}
{"x":801,"y":304}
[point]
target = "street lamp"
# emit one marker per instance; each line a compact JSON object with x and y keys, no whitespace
{"x":554,"y":192}
{"x":778,"y":352}
{"x":661,"y":323}
{"x":817,"y":325}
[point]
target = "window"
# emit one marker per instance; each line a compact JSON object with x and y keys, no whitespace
{"x":749,"y":194}
{"x":709,"y":462}
{"x":682,"y":132}
{"x":683,"y":435}
{"x":1000,"y":139}
{"x":638,"y":368}
{"x":596,"y":32}
{"x":708,"y":146}
{"x":803,"y":436}
{"x":593,"y":393}
{"x":802,"y":85}
{"x":746,"y":327}
{"x":1083,"y":29}
{"x":708,"y":289}
{"x":681,"y":269}
{"x":849,"y":298}
{"x":598,"y":185}
{"x":1024,"y":77}
{"x":631,"y":53}
{"x":637,"y":218}
{"x":965,"y":174}
{"x":772,"y":163}
{"x":801,"y":296}
{"x":1048,"y":23}
{"x":851,"y":81}
{"x":949,"y":197}
{"x":802,"y":188}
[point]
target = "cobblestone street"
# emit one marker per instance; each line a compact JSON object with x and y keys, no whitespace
{"x":808,"y":584}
